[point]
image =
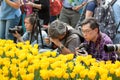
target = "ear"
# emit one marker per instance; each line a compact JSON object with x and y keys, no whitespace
{"x":96,"y":30}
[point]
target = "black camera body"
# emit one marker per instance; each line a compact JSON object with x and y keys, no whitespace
{"x":83,"y":47}
{"x":112,"y":48}
{"x":16,"y":28}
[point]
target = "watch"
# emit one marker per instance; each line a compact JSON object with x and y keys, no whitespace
{"x":61,"y":47}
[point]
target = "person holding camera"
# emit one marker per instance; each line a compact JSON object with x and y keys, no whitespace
{"x":94,"y":41}
{"x":9,"y":17}
{"x":62,"y":36}
{"x":42,"y":8}
{"x":32,"y":29}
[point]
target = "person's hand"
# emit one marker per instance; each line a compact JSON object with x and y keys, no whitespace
{"x":29,"y":3}
{"x":76,"y":8}
{"x":16,"y":34}
{"x":47,"y":40}
{"x":55,"y":41}
{"x":81,"y":52}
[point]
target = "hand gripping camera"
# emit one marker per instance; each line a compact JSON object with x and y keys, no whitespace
{"x":16,"y":28}
{"x":83,"y":48}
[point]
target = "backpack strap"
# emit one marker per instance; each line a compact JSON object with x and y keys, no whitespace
{"x":112,"y":2}
{"x":76,"y":32}
{"x":117,"y":26}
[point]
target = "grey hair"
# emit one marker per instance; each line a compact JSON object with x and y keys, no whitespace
{"x":57,"y":28}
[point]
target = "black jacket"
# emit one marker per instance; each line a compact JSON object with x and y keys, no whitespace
{"x":44,"y":13}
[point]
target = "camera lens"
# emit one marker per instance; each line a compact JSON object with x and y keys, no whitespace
{"x":110,"y":48}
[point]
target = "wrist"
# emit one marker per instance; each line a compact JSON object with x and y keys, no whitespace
{"x":33,"y":5}
{"x":61,"y":47}
{"x":82,"y":5}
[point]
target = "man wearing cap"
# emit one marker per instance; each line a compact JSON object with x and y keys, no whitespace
{"x":61,"y":35}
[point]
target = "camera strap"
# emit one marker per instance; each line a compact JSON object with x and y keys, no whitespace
{"x":96,"y":48}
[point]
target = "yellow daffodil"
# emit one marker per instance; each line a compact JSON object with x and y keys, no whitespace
{"x":117,"y":72}
{"x":31,"y":69}
{"x":54,"y":54}
{"x":109,"y":78}
{"x":5,"y":71}
{"x":91,"y":75}
{"x":70,"y":65}
{"x":22,"y":71}
{"x":23,"y":60}
{"x":66,"y":76}
{"x":13,"y":78}
{"x":72,"y":75}
{"x":44,"y":74}
{"x":83,"y":73}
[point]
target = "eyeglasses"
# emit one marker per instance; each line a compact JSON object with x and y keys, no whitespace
{"x":86,"y":31}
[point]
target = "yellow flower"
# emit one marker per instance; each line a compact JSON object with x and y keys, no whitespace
{"x":13,"y":78}
{"x":59,"y":72}
{"x":117,"y":72}
{"x":22,"y":55}
{"x":30,"y":76}
{"x":70,"y":56}
{"x":14,"y":70}
{"x":72,"y":75}
{"x":44,"y":64}
{"x":22,"y":71}
{"x":70,"y":65}
{"x":10,"y":54}
{"x":51,"y":73}
{"x":30,"y":57}
{"x":1,"y":51}
{"x":53,"y":54}
{"x":112,"y":70}
{"x":5,"y":71}
{"x":31,"y":69}
{"x":51,"y":60}
{"x":36,"y":46}
{"x":91,"y":74}
{"x":0,"y":71}
{"x":34,"y":51}
{"x":36,"y":65}
{"x":102,"y":71}
{"x":47,"y":53}
{"x":44,"y":74}
{"x":6,"y":62}
{"x":83,"y":73}
{"x":104,"y":76}
{"x":109,"y":78}
{"x":27,"y":42}
{"x":66,"y":76}
{"x":78,"y":68}
{"x":24,"y":77}
{"x":14,"y":61}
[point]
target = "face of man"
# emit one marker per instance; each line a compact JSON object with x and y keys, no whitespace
{"x":88,"y":33}
{"x":28,"y":25}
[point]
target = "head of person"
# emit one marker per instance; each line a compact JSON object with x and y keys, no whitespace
{"x":29,"y":22}
{"x":90,"y":29}
{"x":57,"y":29}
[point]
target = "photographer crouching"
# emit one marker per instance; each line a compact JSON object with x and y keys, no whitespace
{"x":36,"y":37}
{"x":94,"y":42}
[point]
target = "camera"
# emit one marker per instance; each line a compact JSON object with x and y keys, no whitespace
{"x":83,"y":47}
{"x":16,"y":28}
{"x":112,"y":47}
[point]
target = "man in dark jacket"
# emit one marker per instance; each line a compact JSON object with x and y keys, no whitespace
{"x":42,"y":7}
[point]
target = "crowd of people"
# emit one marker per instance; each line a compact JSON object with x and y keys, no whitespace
{"x":74,"y":29}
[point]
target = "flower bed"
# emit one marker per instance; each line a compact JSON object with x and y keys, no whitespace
{"x":23,"y":62}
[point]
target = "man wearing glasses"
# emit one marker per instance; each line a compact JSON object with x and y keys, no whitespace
{"x":95,"y":40}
